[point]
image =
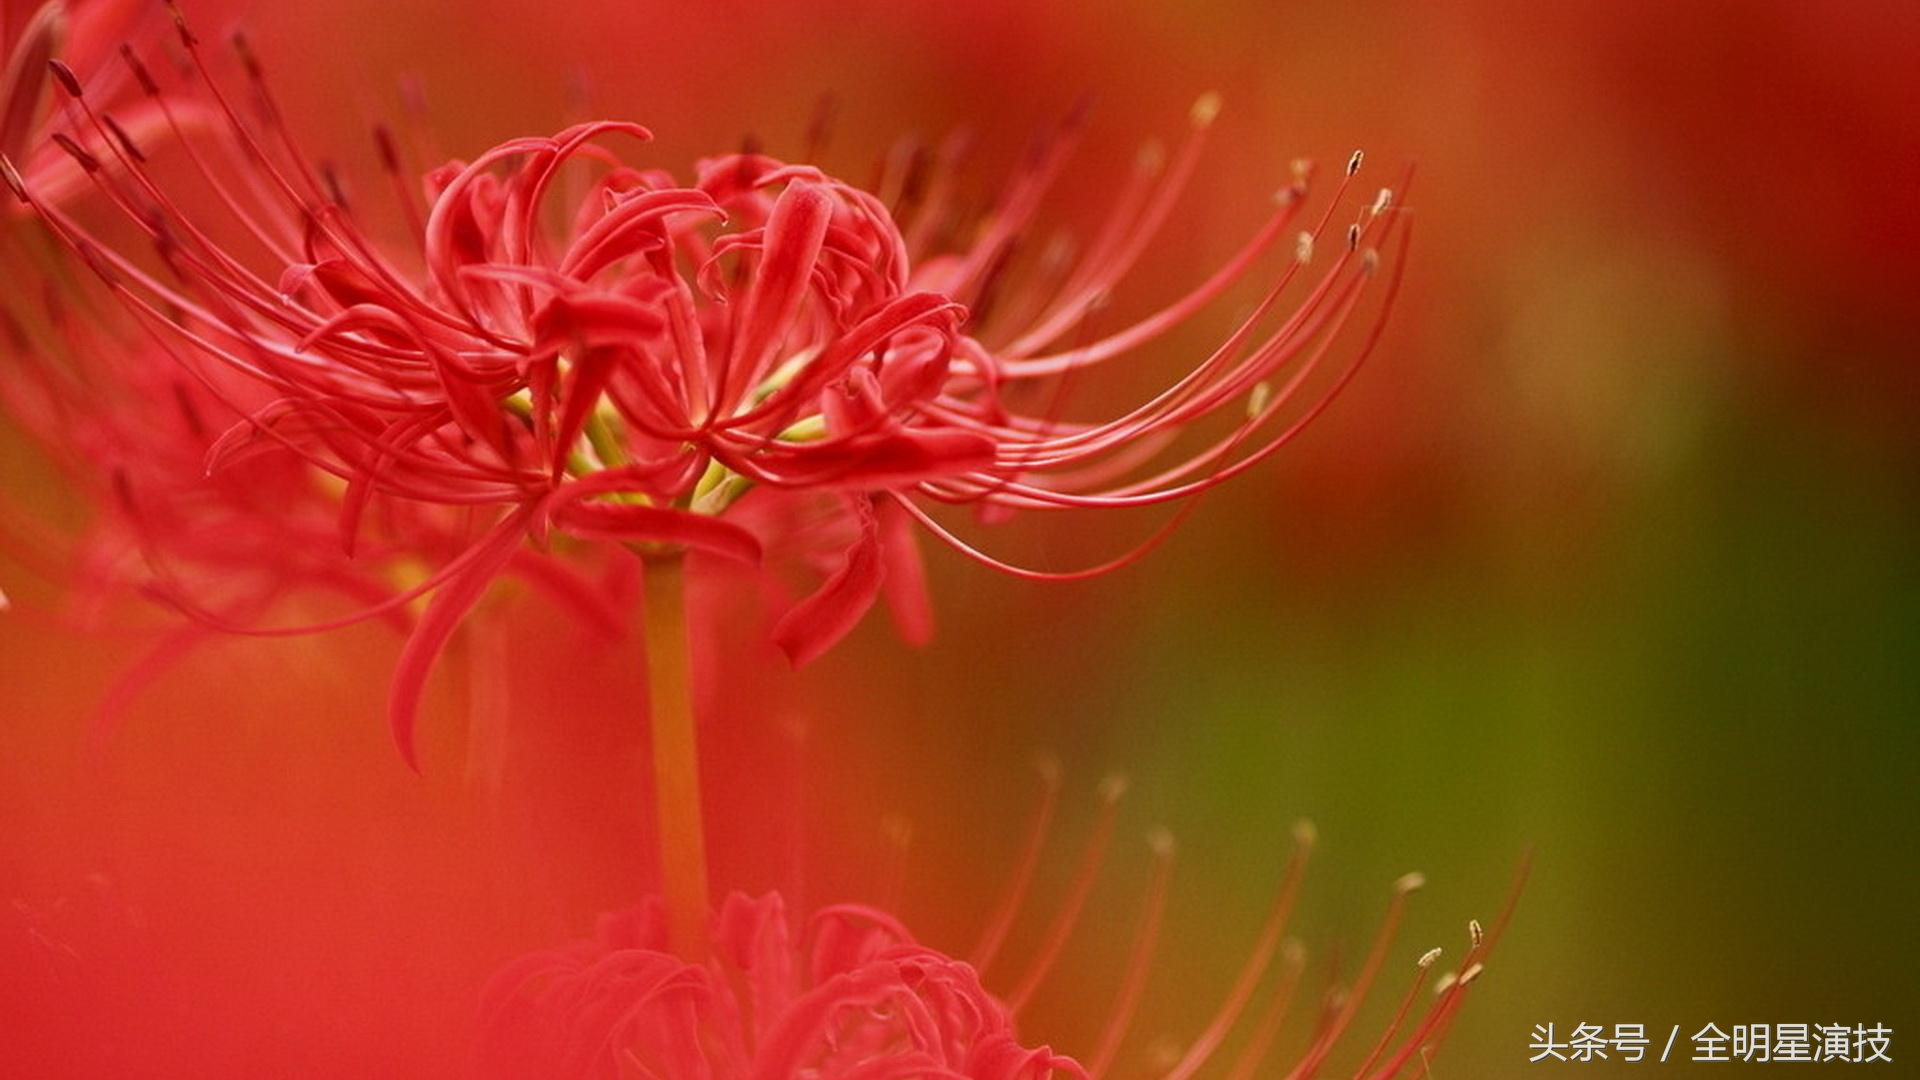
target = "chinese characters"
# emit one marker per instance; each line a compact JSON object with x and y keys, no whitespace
{"x":1754,"y":1043}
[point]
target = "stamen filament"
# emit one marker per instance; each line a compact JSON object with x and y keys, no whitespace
{"x":997,"y":927}
{"x":1236,"y":1000}
{"x":1069,"y":915}
{"x":1140,"y":963}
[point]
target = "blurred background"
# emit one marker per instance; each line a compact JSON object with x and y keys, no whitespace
{"x":1612,"y":553}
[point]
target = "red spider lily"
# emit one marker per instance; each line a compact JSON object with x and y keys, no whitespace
{"x":854,"y":995}
{"x":586,"y":348}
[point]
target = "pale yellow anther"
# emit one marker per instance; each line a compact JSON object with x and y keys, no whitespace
{"x":1305,"y":833}
{"x":1261,"y":397}
{"x":1206,"y":109}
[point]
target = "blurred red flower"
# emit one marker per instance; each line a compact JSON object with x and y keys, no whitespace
{"x":854,"y":995}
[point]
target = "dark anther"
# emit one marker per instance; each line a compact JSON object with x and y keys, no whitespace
{"x":140,"y":72}
{"x":64,"y":76}
{"x":87,"y":161}
{"x":127,"y":145}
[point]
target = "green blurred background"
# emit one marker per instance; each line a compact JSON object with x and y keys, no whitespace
{"x":1612,"y":553}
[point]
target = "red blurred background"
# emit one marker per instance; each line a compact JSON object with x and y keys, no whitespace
{"x":1664,"y":265}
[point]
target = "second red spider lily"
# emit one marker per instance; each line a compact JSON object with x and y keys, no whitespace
{"x":850,"y":993}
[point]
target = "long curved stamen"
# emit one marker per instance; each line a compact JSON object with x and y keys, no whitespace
{"x":1133,"y":984}
{"x":1248,"y":980}
{"x":1293,"y":962}
{"x":1483,"y":947}
{"x":1423,"y":968}
{"x":1363,"y":983}
{"x":897,"y":832}
{"x":1081,"y":887}
{"x":1426,"y":1036}
{"x":994,"y":934}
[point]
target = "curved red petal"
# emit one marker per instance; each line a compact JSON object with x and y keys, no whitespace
{"x":817,"y":623}
{"x":451,"y":603}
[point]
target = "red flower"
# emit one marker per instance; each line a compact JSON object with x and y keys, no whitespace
{"x":647,"y":360}
{"x":852,"y":994}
